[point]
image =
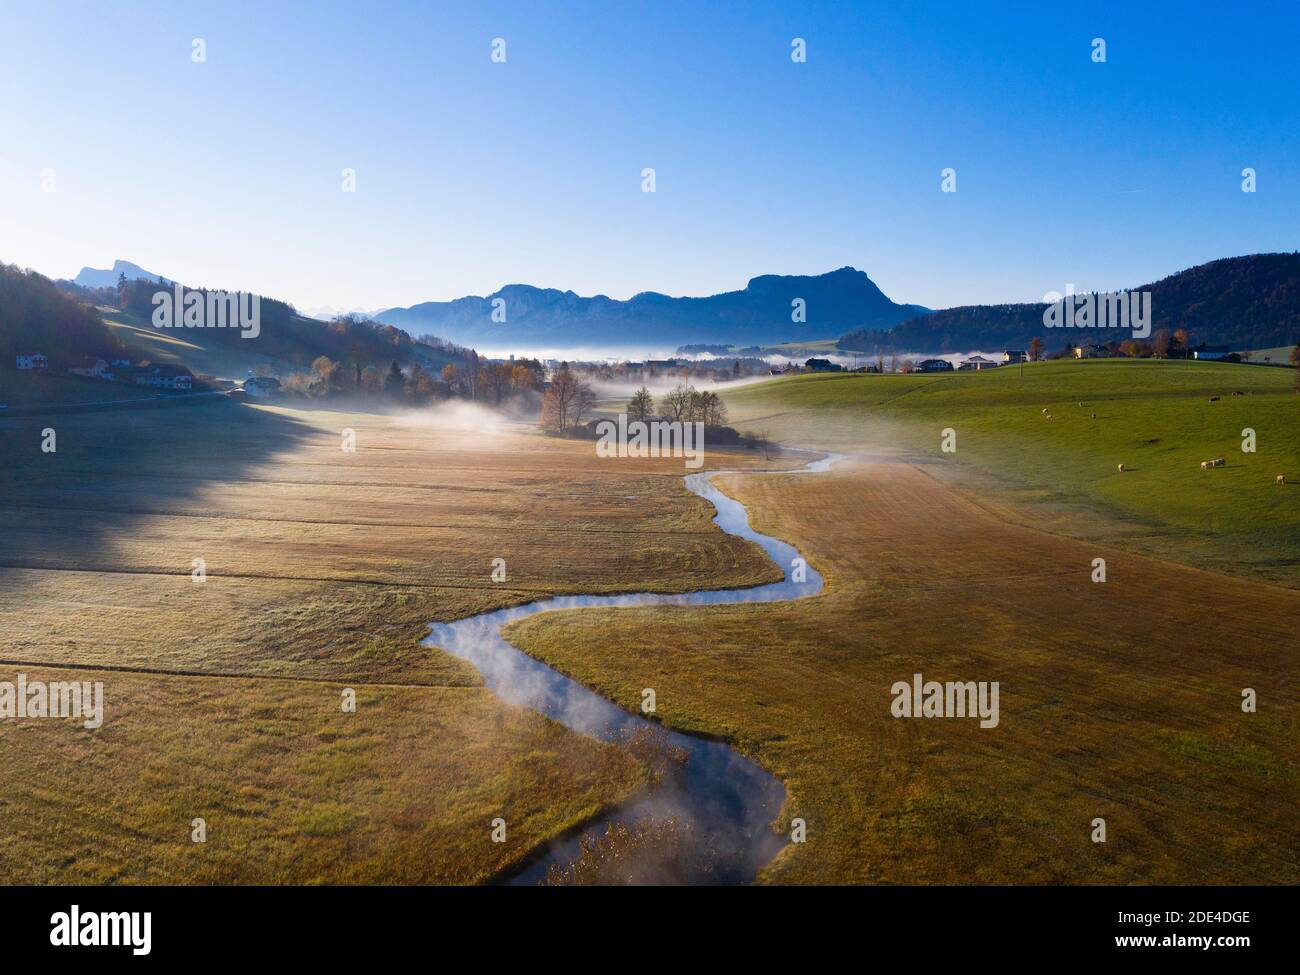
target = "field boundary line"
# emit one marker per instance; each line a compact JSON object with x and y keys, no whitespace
{"x":513,"y":529}
{"x":166,"y":672}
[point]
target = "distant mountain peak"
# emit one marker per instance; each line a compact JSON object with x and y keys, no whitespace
{"x":89,"y":277}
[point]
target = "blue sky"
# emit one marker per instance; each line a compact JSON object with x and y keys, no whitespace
{"x":472,"y":174}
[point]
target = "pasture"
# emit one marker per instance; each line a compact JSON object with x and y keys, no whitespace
{"x":1044,"y":448}
{"x":321,"y":572}
{"x":1120,"y":700}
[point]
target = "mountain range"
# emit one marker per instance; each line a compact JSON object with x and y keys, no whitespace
{"x":761,"y":313}
{"x":1248,"y":302}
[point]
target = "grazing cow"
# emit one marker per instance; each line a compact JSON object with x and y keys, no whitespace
{"x":1281,"y":479}
{"x":1044,"y":409}
{"x":1205,"y":465}
{"x":1214,"y":399}
{"x":1094,"y":416}
{"x":1238,"y":393}
{"x":1121,"y":468}
{"x":1218,"y":462}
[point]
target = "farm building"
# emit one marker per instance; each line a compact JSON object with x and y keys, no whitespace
{"x":822,"y":365}
{"x":165,"y":377}
{"x":1092,"y":351}
{"x":35,"y":360}
{"x":977,"y":362}
{"x":92,"y":368}
{"x":1015,"y":355}
{"x":934,"y":365}
{"x":1211,"y":352}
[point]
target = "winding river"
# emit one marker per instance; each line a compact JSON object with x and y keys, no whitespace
{"x":725,"y":796}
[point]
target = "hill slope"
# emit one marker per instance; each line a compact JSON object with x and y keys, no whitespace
{"x":35,"y":316}
{"x":286,"y":338}
{"x":1248,"y":302}
{"x":38,"y":315}
{"x":761,"y":313}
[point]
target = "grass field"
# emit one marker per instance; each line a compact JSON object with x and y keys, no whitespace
{"x":1119,"y":700}
{"x":186,"y":347}
{"x":323,"y":569}
{"x":1155,"y":417}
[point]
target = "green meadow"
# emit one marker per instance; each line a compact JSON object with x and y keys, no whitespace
{"x":1054,"y":434}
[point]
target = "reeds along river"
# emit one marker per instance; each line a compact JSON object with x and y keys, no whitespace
{"x":728,"y":801}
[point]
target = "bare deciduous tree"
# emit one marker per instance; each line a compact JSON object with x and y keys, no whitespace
{"x":565,"y":401}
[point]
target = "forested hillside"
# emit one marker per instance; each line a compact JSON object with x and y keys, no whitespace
{"x":1248,"y":302}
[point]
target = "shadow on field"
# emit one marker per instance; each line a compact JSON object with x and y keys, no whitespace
{"x":54,"y":504}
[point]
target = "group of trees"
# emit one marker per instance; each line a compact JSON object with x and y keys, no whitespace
{"x":36,"y":316}
{"x":569,"y":399}
{"x":493,"y":382}
{"x":683,"y":404}
{"x":471,"y":378}
{"x":1163,"y":344}
{"x":566,"y":402}
{"x":686,"y":404}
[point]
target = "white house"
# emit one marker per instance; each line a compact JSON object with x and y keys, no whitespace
{"x":978,"y":362}
{"x":165,"y":377}
{"x":35,"y":360}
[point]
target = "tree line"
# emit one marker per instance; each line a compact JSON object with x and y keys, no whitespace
{"x":569,"y":400}
{"x":37,"y":316}
{"x":471,"y":378}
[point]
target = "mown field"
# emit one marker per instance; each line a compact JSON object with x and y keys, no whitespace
{"x":1118,"y":700}
{"x":1155,"y":417}
{"x":322,"y":571}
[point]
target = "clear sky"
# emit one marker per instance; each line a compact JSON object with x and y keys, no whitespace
{"x":473,"y":174}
